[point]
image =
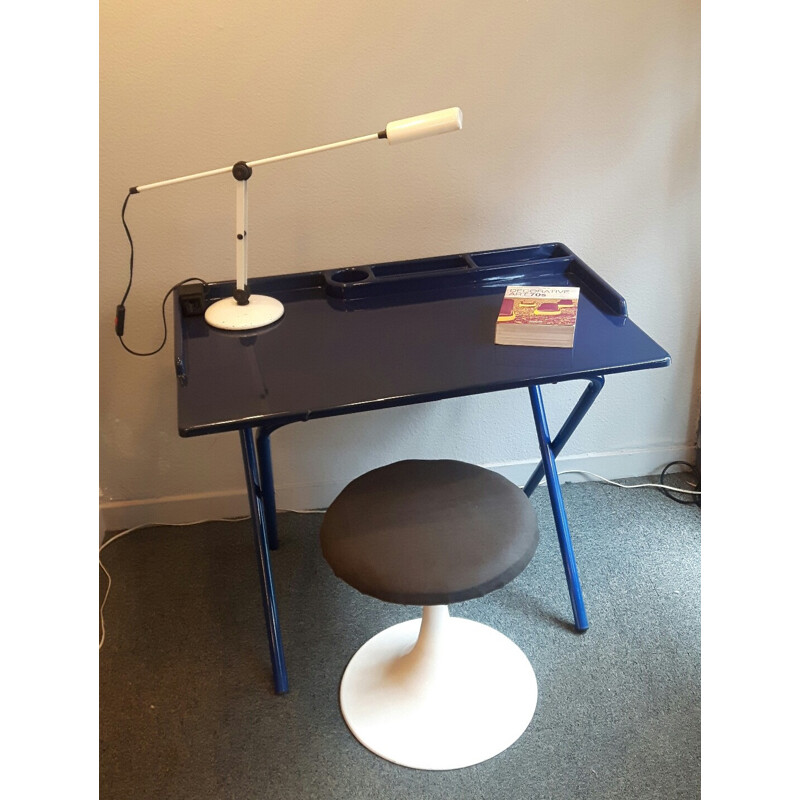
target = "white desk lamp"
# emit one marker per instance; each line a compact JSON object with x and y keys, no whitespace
{"x":245,"y":311}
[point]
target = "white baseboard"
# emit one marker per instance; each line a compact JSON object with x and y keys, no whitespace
{"x":123,"y":514}
{"x":120,"y":515}
{"x":620,"y":464}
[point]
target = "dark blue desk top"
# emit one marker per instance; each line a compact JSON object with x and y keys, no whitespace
{"x":384,"y":335}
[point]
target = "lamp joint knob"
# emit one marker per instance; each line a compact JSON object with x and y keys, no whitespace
{"x":242,"y":296}
{"x":242,"y":170}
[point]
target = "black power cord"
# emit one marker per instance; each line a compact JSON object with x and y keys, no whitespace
{"x":119,"y":319}
{"x":694,"y":499}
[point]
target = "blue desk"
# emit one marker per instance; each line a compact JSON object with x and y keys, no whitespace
{"x":383,"y":335}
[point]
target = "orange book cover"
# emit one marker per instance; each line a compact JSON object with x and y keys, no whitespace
{"x":542,"y":316}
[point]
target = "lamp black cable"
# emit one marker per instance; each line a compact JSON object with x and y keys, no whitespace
{"x":130,"y":242}
{"x":119,"y":320}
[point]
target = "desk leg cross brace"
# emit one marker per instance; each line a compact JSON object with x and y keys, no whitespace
{"x":549,"y":450}
{"x":255,"y":495}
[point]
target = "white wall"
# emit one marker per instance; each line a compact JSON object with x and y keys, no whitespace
{"x":581,"y":125}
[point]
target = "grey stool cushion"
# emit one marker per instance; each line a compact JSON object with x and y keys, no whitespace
{"x":429,"y":532}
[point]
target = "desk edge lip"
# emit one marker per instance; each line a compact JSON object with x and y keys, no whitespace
{"x":279,"y":421}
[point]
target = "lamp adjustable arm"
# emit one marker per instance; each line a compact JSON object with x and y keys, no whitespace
{"x":259,"y":162}
{"x":402,"y":130}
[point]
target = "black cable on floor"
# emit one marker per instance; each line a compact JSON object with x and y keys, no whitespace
{"x":695,"y":498}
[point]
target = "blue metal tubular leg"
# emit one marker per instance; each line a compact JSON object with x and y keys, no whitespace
{"x":254,"y":495}
{"x":568,"y":428}
{"x":264,"y":452}
{"x":559,"y":513}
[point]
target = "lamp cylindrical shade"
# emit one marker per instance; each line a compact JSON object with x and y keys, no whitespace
{"x":406,"y":130}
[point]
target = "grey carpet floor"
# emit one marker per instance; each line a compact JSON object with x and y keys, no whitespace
{"x":187,"y":708}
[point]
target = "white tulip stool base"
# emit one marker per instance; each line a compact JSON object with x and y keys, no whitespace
{"x":440,"y":693}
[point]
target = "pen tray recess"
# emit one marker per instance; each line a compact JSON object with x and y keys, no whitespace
{"x":422,"y":279}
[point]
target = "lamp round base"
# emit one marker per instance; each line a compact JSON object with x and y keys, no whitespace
{"x":228,"y":315}
{"x":472,"y":699}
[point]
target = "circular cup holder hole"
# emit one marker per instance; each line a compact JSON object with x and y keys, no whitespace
{"x":350,"y":275}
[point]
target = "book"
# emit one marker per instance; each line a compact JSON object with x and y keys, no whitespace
{"x":538,"y":316}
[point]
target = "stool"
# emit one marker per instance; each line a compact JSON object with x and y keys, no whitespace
{"x":441,"y":692}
